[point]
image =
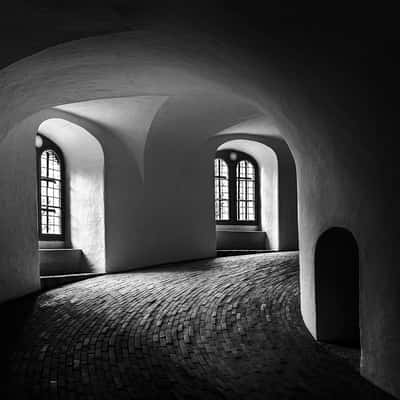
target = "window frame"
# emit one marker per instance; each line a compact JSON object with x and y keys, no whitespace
{"x":232,"y":179}
{"x":47,"y":144}
{"x":220,"y":179}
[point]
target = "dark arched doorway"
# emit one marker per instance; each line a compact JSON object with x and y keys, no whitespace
{"x":337,"y":287}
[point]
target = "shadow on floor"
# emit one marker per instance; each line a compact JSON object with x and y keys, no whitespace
{"x":351,"y":355}
{"x":190,"y":334}
{"x":14,"y":315}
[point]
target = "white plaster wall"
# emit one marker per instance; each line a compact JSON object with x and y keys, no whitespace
{"x":151,"y":202}
{"x":268,"y":167}
{"x":152,"y":146}
{"x":178,"y":182}
{"x":19,"y":261}
{"x":84,"y":163}
{"x":118,"y":230}
{"x":158,"y":180}
{"x":125,"y":124}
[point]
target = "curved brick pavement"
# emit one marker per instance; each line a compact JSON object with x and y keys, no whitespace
{"x":213,"y":329}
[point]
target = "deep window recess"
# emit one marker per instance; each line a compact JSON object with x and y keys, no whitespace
{"x":236,"y":183}
{"x":50,"y":165}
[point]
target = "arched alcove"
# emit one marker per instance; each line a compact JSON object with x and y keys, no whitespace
{"x":260,"y":138}
{"x":337,"y":287}
{"x":84,"y":170}
{"x":268,"y":200}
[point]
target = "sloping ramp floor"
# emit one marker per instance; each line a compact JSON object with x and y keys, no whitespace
{"x":225,"y":328}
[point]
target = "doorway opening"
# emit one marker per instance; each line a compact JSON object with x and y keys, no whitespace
{"x":337,"y":288}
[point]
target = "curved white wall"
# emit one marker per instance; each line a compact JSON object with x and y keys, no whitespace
{"x":84,"y":164}
{"x":19,"y":258}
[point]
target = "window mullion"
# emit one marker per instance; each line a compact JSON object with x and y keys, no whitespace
{"x":232,"y":189}
{"x":219,"y":190}
{"x":47,"y":193}
{"x":245,"y":193}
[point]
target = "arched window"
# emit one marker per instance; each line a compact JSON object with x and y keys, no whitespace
{"x":51,"y":200}
{"x":236,"y":188}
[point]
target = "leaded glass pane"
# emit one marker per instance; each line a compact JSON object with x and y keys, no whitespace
{"x":245,"y":191}
{"x":221,"y":188}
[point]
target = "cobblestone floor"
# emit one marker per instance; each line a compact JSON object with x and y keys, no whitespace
{"x":227,"y":328}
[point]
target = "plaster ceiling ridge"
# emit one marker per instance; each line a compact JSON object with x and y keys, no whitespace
{"x":88,"y":108}
{"x":138,"y":96}
{"x":126,"y":118}
{"x":257,"y":123}
{"x":79,"y":117}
